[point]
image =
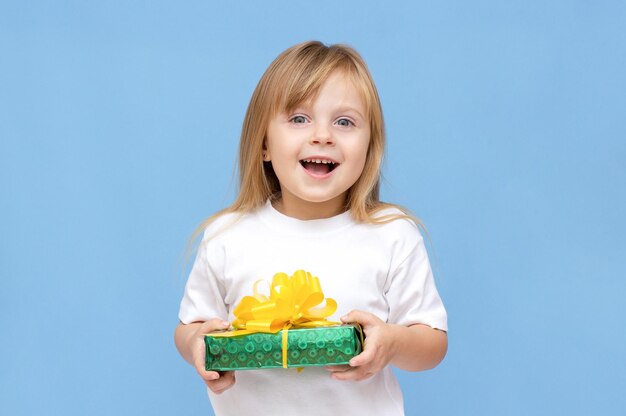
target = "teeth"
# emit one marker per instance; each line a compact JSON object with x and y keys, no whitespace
{"x":323,"y":161}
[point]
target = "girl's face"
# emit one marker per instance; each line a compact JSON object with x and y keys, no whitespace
{"x":318,"y":150}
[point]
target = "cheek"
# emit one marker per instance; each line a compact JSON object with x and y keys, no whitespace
{"x":358,"y":161}
{"x":274,"y":140}
{"x":282,"y":153}
{"x":362,"y":151}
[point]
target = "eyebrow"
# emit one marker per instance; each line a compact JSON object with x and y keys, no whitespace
{"x":340,"y":109}
{"x":348,"y":108}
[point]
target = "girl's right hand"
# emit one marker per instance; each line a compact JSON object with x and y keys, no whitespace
{"x":220,"y":381}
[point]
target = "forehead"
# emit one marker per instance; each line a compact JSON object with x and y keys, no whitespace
{"x":338,"y":90}
{"x":338,"y":82}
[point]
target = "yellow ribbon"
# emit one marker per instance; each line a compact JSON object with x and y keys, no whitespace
{"x":293,"y":302}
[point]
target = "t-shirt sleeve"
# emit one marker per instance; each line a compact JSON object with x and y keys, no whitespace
{"x":204,"y":291}
{"x":411,"y":293}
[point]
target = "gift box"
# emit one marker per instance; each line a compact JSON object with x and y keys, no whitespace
{"x":318,"y":346}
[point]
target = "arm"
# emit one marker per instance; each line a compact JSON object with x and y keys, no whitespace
{"x":418,"y":347}
{"x":413,"y":348}
{"x":189,"y":339}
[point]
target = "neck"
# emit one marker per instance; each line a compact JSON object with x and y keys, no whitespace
{"x":305,"y":210}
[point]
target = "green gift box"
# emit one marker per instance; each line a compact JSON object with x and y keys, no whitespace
{"x":329,"y":345}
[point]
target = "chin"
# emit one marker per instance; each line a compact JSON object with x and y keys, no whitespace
{"x":319,"y":199}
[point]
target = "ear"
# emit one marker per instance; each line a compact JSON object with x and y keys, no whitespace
{"x":266,"y":154}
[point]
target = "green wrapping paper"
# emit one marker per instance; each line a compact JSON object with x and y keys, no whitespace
{"x":331,"y":345}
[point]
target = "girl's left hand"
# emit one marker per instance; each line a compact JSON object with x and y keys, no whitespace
{"x":378,"y":349}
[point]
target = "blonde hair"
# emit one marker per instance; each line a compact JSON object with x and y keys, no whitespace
{"x":294,"y":77}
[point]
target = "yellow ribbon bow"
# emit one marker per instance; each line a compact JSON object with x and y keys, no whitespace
{"x":293,"y":302}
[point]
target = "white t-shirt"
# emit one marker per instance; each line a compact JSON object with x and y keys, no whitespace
{"x":382,"y":269}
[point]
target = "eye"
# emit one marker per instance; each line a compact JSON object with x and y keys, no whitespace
{"x":344,"y":122}
{"x":298,"y":119}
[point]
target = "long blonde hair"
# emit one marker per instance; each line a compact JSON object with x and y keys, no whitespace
{"x":294,"y":77}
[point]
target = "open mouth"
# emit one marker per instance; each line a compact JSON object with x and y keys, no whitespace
{"x":319,"y":166}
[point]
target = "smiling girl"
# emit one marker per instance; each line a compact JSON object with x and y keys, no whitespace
{"x":310,"y":154}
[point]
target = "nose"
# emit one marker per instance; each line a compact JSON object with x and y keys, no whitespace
{"x":322,"y":136}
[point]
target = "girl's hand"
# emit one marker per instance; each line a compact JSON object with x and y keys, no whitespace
{"x":195,"y":351}
{"x":220,"y":381}
{"x":378,"y":349}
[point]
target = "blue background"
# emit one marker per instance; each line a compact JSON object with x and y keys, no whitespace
{"x":119,"y":124}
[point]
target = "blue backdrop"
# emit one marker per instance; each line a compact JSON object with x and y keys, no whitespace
{"x":119,"y":124}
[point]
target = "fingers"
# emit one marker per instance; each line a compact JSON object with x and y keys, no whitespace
{"x":367,"y":363}
{"x":200,"y":365}
{"x":364,"y":358}
{"x":367,"y":357}
{"x":361,"y":367}
{"x":199,"y":355}
{"x":219,"y":382}
{"x":205,"y":328}
{"x":353,"y":374}
{"x":364,"y":318}
{"x":337,"y":368}
{"x":214,"y":325}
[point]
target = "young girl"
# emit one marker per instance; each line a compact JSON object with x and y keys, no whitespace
{"x":310,"y":155}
